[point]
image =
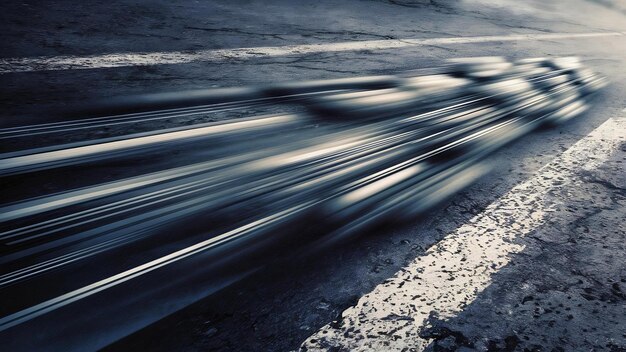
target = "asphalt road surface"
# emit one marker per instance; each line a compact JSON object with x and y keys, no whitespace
{"x":531,"y":257}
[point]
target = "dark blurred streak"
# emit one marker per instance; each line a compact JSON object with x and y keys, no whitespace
{"x":200,"y":97}
{"x":365,"y":151}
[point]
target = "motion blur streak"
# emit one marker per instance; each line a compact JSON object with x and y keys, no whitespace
{"x":240,"y":194}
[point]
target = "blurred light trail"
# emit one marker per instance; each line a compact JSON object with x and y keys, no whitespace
{"x":206,"y":204}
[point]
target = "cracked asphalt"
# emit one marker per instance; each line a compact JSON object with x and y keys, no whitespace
{"x":564,"y":290}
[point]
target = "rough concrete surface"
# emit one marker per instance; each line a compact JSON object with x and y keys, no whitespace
{"x":565,"y":290}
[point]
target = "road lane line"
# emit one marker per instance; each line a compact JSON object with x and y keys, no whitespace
{"x":54,"y":63}
{"x":451,"y":274}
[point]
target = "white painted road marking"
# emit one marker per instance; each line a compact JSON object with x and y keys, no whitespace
{"x":53,"y":63}
{"x":453,"y":272}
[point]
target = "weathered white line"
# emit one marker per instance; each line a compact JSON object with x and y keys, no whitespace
{"x":453,"y":272}
{"x":51,"y":63}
